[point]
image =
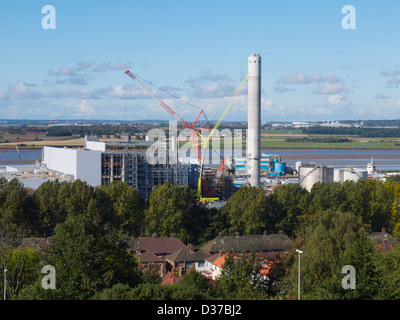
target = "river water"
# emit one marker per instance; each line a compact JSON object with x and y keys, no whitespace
{"x":338,"y":158}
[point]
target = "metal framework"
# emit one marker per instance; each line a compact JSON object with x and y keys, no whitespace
{"x":127,"y":162}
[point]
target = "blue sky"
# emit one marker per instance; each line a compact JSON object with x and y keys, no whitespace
{"x":312,"y":69}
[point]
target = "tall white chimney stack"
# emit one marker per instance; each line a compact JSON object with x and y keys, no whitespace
{"x":254,"y":120}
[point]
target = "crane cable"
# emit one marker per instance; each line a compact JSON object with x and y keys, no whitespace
{"x":206,"y":140}
{"x":176,"y":97}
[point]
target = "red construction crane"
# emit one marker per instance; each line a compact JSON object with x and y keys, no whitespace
{"x":194,"y":136}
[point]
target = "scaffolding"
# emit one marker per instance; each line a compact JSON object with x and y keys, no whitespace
{"x":127,"y":161}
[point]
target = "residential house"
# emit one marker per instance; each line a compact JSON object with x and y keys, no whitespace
{"x":161,"y":247}
{"x":37,"y":243}
{"x":382,"y":240}
{"x":187,"y":258}
{"x":148,"y":259}
{"x":215,"y":263}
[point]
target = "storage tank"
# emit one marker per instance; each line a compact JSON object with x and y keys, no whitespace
{"x":346,"y":174}
{"x":280,"y":167}
{"x":298,"y":165}
{"x":310,"y":174}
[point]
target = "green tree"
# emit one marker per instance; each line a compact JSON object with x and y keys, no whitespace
{"x":287,"y":206}
{"x":47,"y":206}
{"x":331,"y":240}
{"x":326,"y":196}
{"x":22,"y":268}
{"x":127,"y":213}
{"x":239,"y":280}
{"x":370,"y":200}
{"x":169,"y":206}
{"x":246,"y":210}
{"x":13,"y":198}
{"x":387,"y":265}
{"x":88,"y":257}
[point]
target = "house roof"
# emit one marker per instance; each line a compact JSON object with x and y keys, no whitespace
{"x":214,"y":257}
{"x":170,"y":278}
{"x":37,"y":242}
{"x":186,"y":255}
{"x":157,"y":245}
{"x":280,"y":242}
{"x":146,"y":256}
{"x":378,"y":238}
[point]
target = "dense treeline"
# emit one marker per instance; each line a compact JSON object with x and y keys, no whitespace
{"x":318,"y":140}
{"x":361,"y":132}
{"x":88,"y":225}
{"x":69,"y":130}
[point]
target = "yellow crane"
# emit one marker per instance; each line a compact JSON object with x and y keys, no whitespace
{"x":206,"y":140}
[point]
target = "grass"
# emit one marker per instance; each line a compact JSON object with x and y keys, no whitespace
{"x":38,"y":141}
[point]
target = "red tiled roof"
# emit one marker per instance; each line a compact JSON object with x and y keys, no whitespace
{"x":170,"y":278}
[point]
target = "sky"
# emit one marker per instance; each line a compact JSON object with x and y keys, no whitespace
{"x":313,"y":69}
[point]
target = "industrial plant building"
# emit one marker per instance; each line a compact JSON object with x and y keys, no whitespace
{"x":99,"y":163}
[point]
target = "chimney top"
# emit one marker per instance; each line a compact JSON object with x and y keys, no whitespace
{"x":237,"y":235}
{"x":265,"y":233}
{"x":191,"y":248}
{"x":172,"y":235}
{"x":154,"y":235}
{"x":280,"y":232}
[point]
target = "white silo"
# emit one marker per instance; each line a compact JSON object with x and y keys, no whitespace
{"x":346,"y":174}
{"x":254,"y":119}
{"x":311,"y":174}
{"x":298,"y":165}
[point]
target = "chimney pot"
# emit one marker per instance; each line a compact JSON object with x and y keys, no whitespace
{"x":191,"y":249}
{"x":220,"y":235}
{"x":281,"y":232}
{"x":237,"y":235}
{"x":172,"y":235}
{"x":154,"y":236}
{"x":265,"y":233}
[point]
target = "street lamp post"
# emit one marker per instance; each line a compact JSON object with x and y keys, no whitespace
{"x":5,"y":284}
{"x":298,"y":291}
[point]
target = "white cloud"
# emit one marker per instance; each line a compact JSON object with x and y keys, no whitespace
{"x":85,"y":107}
{"x":338,"y":100}
{"x":300,"y":78}
{"x":83,"y":65}
{"x":20,"y":91}
{"x":393,"y":83}
{"x":331,"y":88}
{"x":107,"y":66}
{"x":282,"y":89}
{"x":64,"y":71}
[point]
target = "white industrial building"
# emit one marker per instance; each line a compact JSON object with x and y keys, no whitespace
{"x":100,"y":163}
{"x":77,"y":162}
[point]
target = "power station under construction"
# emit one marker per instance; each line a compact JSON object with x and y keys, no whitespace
{"x":146,"y":164}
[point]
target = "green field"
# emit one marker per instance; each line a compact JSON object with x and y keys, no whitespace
{"x":269,"y":139}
